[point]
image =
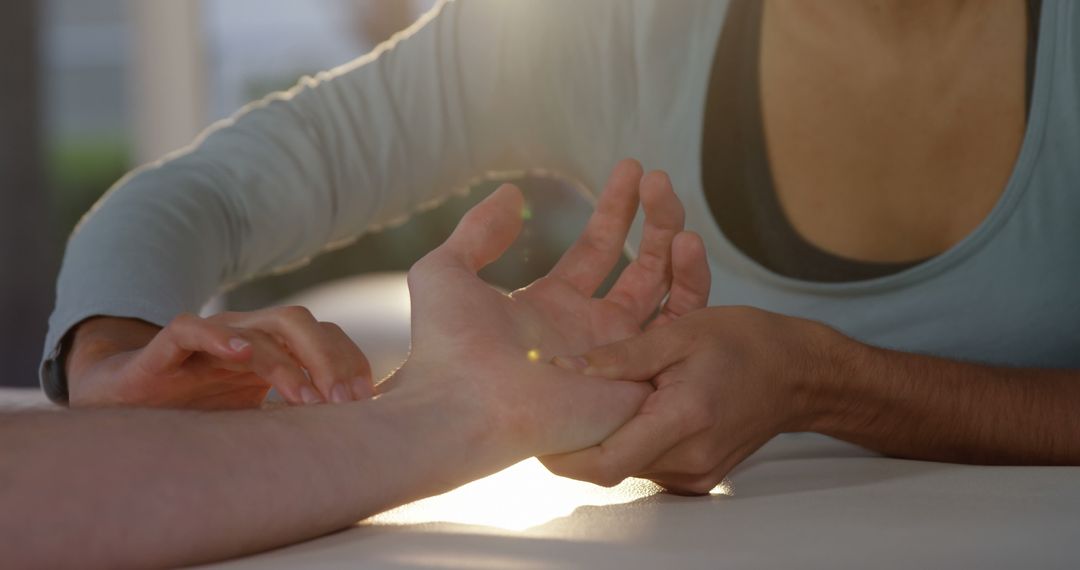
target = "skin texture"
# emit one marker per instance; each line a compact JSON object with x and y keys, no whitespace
{"x":892,"y":126}
{"x":230,"y":483}
{"x":729,"y":379}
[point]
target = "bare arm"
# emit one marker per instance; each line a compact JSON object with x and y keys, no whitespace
{"x":136,"y":488}
{"x":920,"y":407}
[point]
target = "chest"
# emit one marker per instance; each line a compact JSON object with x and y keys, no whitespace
{"x":889,"y":152}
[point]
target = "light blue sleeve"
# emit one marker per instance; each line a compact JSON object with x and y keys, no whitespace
{"x":476,"y":86}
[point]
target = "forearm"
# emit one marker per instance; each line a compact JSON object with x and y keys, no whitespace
{"x":149,"y":489}
{"x":928,"y":408}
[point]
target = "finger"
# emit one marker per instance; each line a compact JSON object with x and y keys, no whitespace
{"x":271,"y":362}
{"x":331,"y":363}
{"x":357,"y":366}
{"x":638,"y":358}
{"x":631,"y":449}
{"x":337,"y":367}
{"x":592,"y":257}
{"x":691,"y":282}
{"x":487,"y":230}
{"x":646,"y":281}
{"x":187,"y":335}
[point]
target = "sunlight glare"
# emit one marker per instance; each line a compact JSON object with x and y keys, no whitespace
{"x":724,"y":488}
{"x":522,"y":497}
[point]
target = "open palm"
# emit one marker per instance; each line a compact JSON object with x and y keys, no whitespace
{"x":498,"y":347}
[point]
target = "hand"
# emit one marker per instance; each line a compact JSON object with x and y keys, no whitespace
{"x":228,"y":361}
{"x":494,"y":349}
{"x":727,"y":381}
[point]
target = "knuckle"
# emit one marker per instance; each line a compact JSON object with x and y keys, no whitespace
{"x":226,"y":317}
{"x":333,"y":329}
{"x":296,"y":313}
{"x":184,"y":320}
{"x":599,"y":241}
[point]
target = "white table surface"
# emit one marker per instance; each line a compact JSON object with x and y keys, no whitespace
{"x":803,"y":501}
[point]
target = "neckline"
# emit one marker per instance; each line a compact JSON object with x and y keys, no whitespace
{"x":1014,"y":189}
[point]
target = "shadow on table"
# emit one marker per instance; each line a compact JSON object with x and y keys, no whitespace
{"x":801,"y":463}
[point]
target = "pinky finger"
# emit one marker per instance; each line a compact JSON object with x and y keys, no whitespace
{"x":691,"y":279}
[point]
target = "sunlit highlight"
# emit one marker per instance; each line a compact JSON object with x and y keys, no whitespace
{"x":534,"y":355}
{"x":522,"y":497}
{"x":724,"y":489}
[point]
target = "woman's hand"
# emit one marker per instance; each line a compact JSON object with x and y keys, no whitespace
{"x":473,"y":342}
{"x":227,"y":361}
{"x":727,"y":381}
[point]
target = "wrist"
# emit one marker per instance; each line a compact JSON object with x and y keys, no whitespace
{"x":824,"y":387}
{"x":460,"y":422}
{"x":99,"y":338}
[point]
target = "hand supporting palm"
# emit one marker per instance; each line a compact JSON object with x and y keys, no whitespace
{"x":496,"y":348}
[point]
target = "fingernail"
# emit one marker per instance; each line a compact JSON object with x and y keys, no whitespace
{"x":340,"y":394}
{"x":238,"y":344}
{"x":310,"y":396}
{"x":361,"y":389}
{"x":577,"y":363}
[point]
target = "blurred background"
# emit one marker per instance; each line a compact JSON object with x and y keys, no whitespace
{"x":93,"y":88}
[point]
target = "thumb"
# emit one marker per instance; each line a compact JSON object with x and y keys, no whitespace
{"x":487,"y":230}
{"x":639,"y":358}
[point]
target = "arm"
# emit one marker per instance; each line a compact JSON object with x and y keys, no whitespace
{"x":729,"y":379}
{"x":110,"y":489}
{"x":351,"y":150}
{"x":920,"y":407}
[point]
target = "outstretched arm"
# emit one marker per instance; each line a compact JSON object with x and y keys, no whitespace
{"x":148,"y":489}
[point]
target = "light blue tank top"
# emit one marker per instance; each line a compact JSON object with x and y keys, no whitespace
{"x":1009,"y":293}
